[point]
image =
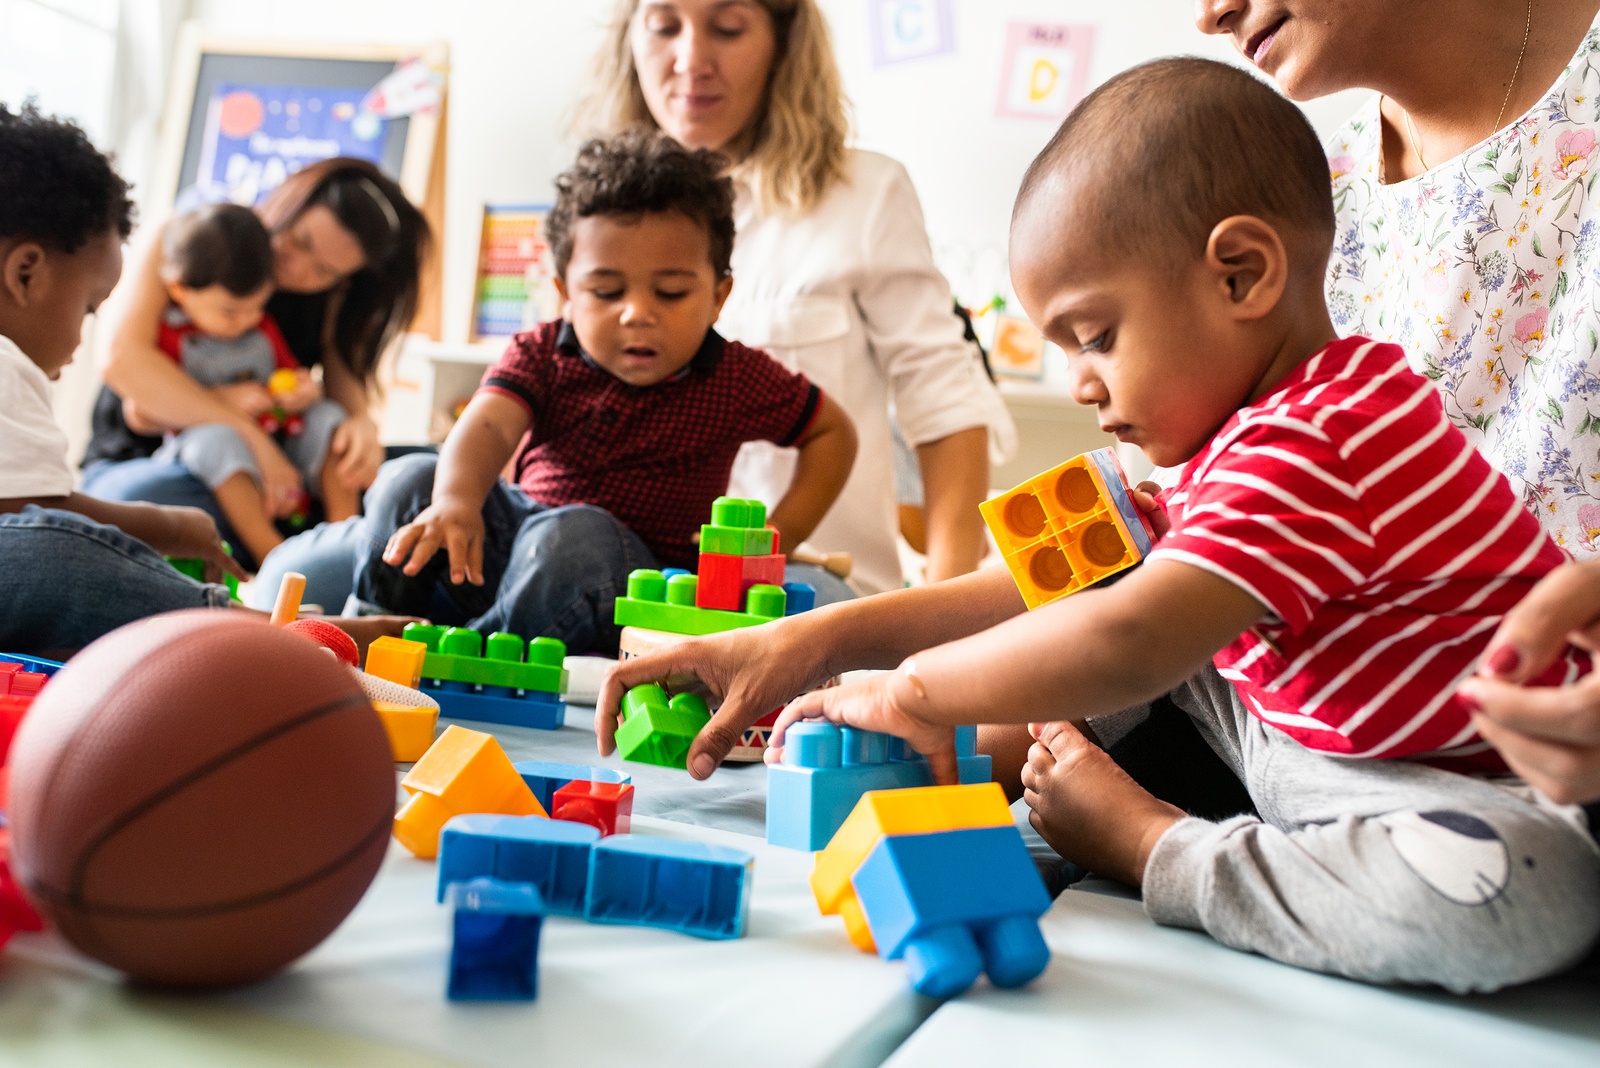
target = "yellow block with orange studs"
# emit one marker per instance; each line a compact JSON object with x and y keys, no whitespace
{"x":397,"y":659}
{"x":462,"y":773}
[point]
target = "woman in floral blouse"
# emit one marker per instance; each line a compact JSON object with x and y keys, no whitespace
{"x":1467,"y":194}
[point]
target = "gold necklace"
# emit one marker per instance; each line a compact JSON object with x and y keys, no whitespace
{"x":1416,"y":143}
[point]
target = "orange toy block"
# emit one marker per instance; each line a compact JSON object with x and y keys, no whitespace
{"x":464,"y":772}
{"x":410,"y":729}
{"x":1069,"y":527}
{"x":396,"y":659}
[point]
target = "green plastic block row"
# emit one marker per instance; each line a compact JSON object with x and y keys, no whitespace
{"x":457,"y":654}
{"x":737,"y":528}
{"x":196,"y":569}
{"x":658,"y":731}
{"x":657,"y":603}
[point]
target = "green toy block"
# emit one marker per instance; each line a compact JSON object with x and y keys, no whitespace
{"x":735,"y":541}
{"x":657,"y":604}
{"x":658,"y":731}
{"x":737,"y":512}
{"x":457,"y":654}
{"x":196,"y":569}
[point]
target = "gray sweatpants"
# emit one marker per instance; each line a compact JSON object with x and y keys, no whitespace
{"x":1380,"y":870}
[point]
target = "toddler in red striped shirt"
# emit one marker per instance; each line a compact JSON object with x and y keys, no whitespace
{"x":1335,"y":558}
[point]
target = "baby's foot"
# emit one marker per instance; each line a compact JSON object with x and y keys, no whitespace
{"x":1089,"y":809}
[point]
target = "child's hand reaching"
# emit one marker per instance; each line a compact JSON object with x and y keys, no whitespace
{"x":879,"y":704}
{"x":445,"y":524}
{"x":191,"y":534}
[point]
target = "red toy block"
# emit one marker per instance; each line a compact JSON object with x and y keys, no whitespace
{"x":12,"y":708}
{"x":607,"y":806}
{"x":8,"y":671}
{"x":16,"y":914}
{"x":724,"y":578}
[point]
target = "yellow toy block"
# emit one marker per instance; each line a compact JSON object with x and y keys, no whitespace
{"x":396,"y":659}
{"x":464,"y":772}
{"x":410,"y":729}
{"x":919,"y":810}
{"x":1069,"y":527}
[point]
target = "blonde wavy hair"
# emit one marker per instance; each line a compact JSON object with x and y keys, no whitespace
{"x":793,"y":151}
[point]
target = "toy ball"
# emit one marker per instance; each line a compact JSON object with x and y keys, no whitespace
{"x":199,"y":798}
{"x":327,"y":636}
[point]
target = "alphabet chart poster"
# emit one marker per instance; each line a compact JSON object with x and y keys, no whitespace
{"x":910,"y":29}
{"x":1045,"y":71}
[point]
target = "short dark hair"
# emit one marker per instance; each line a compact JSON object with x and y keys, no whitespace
{"x":1164,"y":151}
{"x":56,"y":188}
{"x":643,"y":172}
{"x":220,"y":244}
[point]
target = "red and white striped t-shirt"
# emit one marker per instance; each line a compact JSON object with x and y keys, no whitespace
{"x":1384,"y":545}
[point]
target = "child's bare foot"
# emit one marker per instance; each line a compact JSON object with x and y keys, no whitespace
{"x":1088,"y":808}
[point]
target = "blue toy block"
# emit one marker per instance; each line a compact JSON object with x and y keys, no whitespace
{"x":668,"y":572}
{"x":953,"y":904}
{"x":545,"y":778}
{"x":826,"y":769}
{"x":495,"y":954}
{"x":690,"y":887}
{"x":497,"y":704}
{"x":798,"y":597}
{"x":550,"y":855}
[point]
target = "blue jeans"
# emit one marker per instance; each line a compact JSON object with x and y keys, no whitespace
{"x":66,"y":580}
{"x":546,"y":571}
{"x":159,"y":482}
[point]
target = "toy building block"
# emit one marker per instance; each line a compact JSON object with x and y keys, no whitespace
{"x":826,"y":769}
{"x":463,"y":772}
{"x":799,"y":597}
{"x":752,"y":747}
{"x":692,"y":887}
{"x":16,"y":911}
{"x":655,"y":730}
{"x":489,"y":681}
{"x":544,"y":778}
{"x":738,"y":528}
{"x":410,"y":729}
{"x":397,"y":659}
{"x":552,"y":855}
{"x":724,"y":579}
{"x":196,"y":569}
{"x":605,"y":806}
{"x":659,"y":603}
{"x":920,"y":810}
{"x":495,"y":952}
{"x":954,"y":904}
{"x":1069,"y":528}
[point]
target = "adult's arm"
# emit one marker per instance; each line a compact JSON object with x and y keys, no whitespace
{"x":945,"y":405}
{"x":164,"y":395}
{"x":355,"y":447}
{"x":1550,"y":735}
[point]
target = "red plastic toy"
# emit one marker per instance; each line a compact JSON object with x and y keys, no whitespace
{"x":606,"y":806}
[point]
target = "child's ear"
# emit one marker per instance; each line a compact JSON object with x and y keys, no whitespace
{"x":24,"y":273}
{"x":719,"y":295}
{"x":1248,"y":261}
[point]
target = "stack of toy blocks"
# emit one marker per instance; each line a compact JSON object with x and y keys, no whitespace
{"x":941,"y":877}
{"x":494,"y":955}
{"x":491,"y":682}
{"x":464,"y":772}
{"x":600,"y":797}
{"x":1069,"y":528}
{"x":826,"y":769}
{"x":21,"y":680}
{"x":410,"y":727}
{"x":690,"y":887}
{"x":737,"y":551}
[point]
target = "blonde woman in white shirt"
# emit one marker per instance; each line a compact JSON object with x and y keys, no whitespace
{"x":833,"y":271}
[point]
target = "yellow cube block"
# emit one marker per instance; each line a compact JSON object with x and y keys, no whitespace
{"x":410,"y":729}
{"x":396,"y":659}
{"x":920,"y":810}
{"x":464,"y":772}
{"x":418,"y":823}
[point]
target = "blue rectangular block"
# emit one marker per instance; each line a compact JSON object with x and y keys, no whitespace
{"x":552,"y":856}
{"x":805,"y":806}
{"x":496,"y":704}
{"x":690,"y":887}
{"x":912,"y":883}
{"x":495,"y":952}
{"x":544,"y":778}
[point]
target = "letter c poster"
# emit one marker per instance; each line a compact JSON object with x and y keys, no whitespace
{"x":1045,"y":71}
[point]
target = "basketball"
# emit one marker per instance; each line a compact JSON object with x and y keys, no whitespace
{"x":199,"y":798}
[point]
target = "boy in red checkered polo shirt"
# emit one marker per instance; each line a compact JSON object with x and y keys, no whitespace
{"x":624,"y":419}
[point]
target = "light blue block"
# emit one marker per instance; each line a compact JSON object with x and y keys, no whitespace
{"x":494,"y":954}
{"x":949,"y":899}
{"x":544,"y":778}
{"x":550,"y":855}
{"x":690,"y":887}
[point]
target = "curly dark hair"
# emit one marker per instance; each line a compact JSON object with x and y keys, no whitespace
{"x":642,"y":171}
{"x":56,"y":188}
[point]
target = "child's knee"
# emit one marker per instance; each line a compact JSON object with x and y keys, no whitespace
{"x":214,"y":453}
{"x":403,"y":485}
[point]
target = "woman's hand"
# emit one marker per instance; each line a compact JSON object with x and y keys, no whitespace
{"x":449,"y":524}
{"x":873,"y":704}
{"x":747,"y":673}
{"x":356,"y":451}
{"x":251,"y":398}
{"x":1550,"y":735}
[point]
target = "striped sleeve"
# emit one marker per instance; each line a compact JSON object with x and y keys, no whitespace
{"x":1273,"y":511}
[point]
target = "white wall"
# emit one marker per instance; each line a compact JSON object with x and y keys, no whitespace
{"x":518,"y":65}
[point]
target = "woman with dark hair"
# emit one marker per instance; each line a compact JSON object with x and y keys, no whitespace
{"x":348,"y":248}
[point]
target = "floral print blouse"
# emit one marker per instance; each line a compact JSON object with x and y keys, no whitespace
{"x":1486,"y":270}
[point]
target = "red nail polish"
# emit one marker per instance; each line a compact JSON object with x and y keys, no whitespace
{"x":1505,"y":660}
